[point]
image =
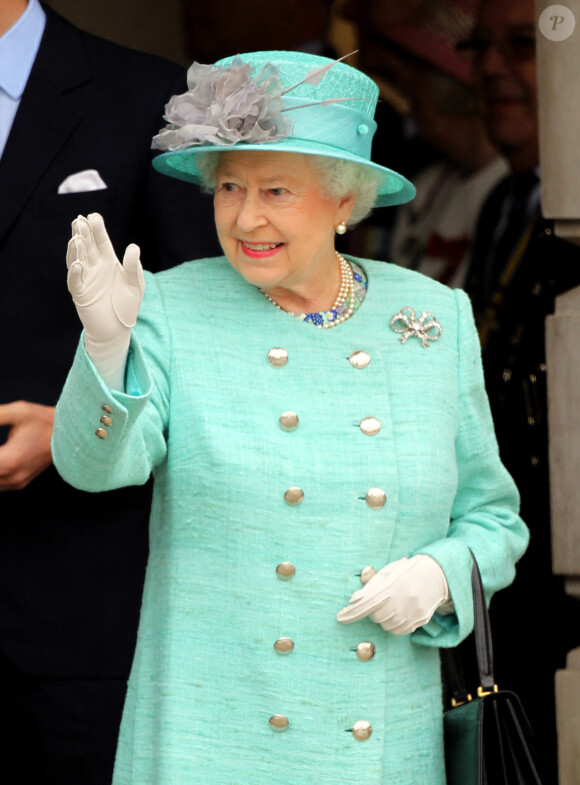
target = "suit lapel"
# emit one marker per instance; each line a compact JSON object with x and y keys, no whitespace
{"x":49,"y":112}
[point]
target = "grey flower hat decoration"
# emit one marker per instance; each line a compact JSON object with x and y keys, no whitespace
{"x":225,"y":105}
{"x":282,"y":101}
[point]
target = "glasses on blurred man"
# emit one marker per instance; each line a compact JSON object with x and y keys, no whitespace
{"x":517,"y":46}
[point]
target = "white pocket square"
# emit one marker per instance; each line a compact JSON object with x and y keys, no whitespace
{"x":89,"y":180}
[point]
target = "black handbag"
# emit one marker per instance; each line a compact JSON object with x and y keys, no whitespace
{"x":488,"y":739}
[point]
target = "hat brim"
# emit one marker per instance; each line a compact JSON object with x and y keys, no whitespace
{"x":182,"y":164}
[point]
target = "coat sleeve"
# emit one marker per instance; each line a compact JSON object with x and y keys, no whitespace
{"x":484,"y":515}
{"x":135,"y":422}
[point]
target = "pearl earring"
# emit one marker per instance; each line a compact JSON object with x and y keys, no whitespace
{"x":341,"y":228}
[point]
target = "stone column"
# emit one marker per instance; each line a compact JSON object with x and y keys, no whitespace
{"x":563,"y":361}
{"x":568,"y":700}
{"x":558,"y":44}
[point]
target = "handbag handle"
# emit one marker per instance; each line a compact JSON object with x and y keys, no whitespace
{"x":451,"y":661}
{"x":482,"y":630}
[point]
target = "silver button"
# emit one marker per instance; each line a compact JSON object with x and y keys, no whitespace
{"x":284,"y":645}
{"x":362,"y":730}
{"x":107,"y":409}
{"x":376,"y":498}
{"x":102,"y":433}
{"x":288,"y":420}
{"x":365,"y":651}
{"x":359,"y":359}
{"x":293,"y":496}
{"x":277,"y":357}
{"x":370,"y":426}
{"x":279,"y":722}
{"x":285,"y":571}
{"x":367,"y":574}
{"x":106,"y":420}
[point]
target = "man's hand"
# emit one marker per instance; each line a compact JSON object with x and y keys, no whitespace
{"x":26,"y":453}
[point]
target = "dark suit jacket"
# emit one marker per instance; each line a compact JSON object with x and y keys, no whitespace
{"x":72,"y":564}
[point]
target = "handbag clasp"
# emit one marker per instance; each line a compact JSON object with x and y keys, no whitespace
{"x":481,"y":692}
{"x":455,"y":702}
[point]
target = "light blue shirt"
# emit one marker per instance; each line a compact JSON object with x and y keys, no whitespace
{"x":18,"y":50}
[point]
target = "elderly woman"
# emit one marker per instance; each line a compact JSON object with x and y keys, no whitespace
{"x":318,"y":432}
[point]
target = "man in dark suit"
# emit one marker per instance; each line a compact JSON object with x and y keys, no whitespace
{"x":518,"y":269}
{"x":71,"y":564}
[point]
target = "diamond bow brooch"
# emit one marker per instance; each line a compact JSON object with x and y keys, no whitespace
{"x":426,"y":327}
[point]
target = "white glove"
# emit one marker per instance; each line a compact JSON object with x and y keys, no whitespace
{"x":107,"y":295}
{"x":400,"y":597}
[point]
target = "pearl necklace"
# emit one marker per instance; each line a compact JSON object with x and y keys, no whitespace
{"x":344,"y":297}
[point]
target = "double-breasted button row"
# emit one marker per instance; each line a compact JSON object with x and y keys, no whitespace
{"x":370,"y":426}
{"x":278,"y":357}
{"x":375,"y":497}
{"x":361,"y":730}
{"x":105,"y":420}
{"x":365,"y":651}
{"x":285,"y":571}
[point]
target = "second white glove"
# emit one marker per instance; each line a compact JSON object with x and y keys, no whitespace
{"x":401,"y":597}
{"x":106,"y":293}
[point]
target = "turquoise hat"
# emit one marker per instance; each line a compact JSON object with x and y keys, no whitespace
{"x":282,"y":101}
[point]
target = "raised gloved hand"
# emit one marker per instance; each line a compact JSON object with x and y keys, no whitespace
{"x":400,"y":597}
{"x":106,"y":293}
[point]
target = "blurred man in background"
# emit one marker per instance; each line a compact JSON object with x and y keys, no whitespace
{"x":417,"y":56}
{"x":518,"y":269}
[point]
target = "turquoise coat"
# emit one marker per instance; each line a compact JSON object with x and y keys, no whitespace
{"x":202,"y":412}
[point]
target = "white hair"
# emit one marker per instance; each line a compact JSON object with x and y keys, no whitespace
{"x":338,"y":178}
